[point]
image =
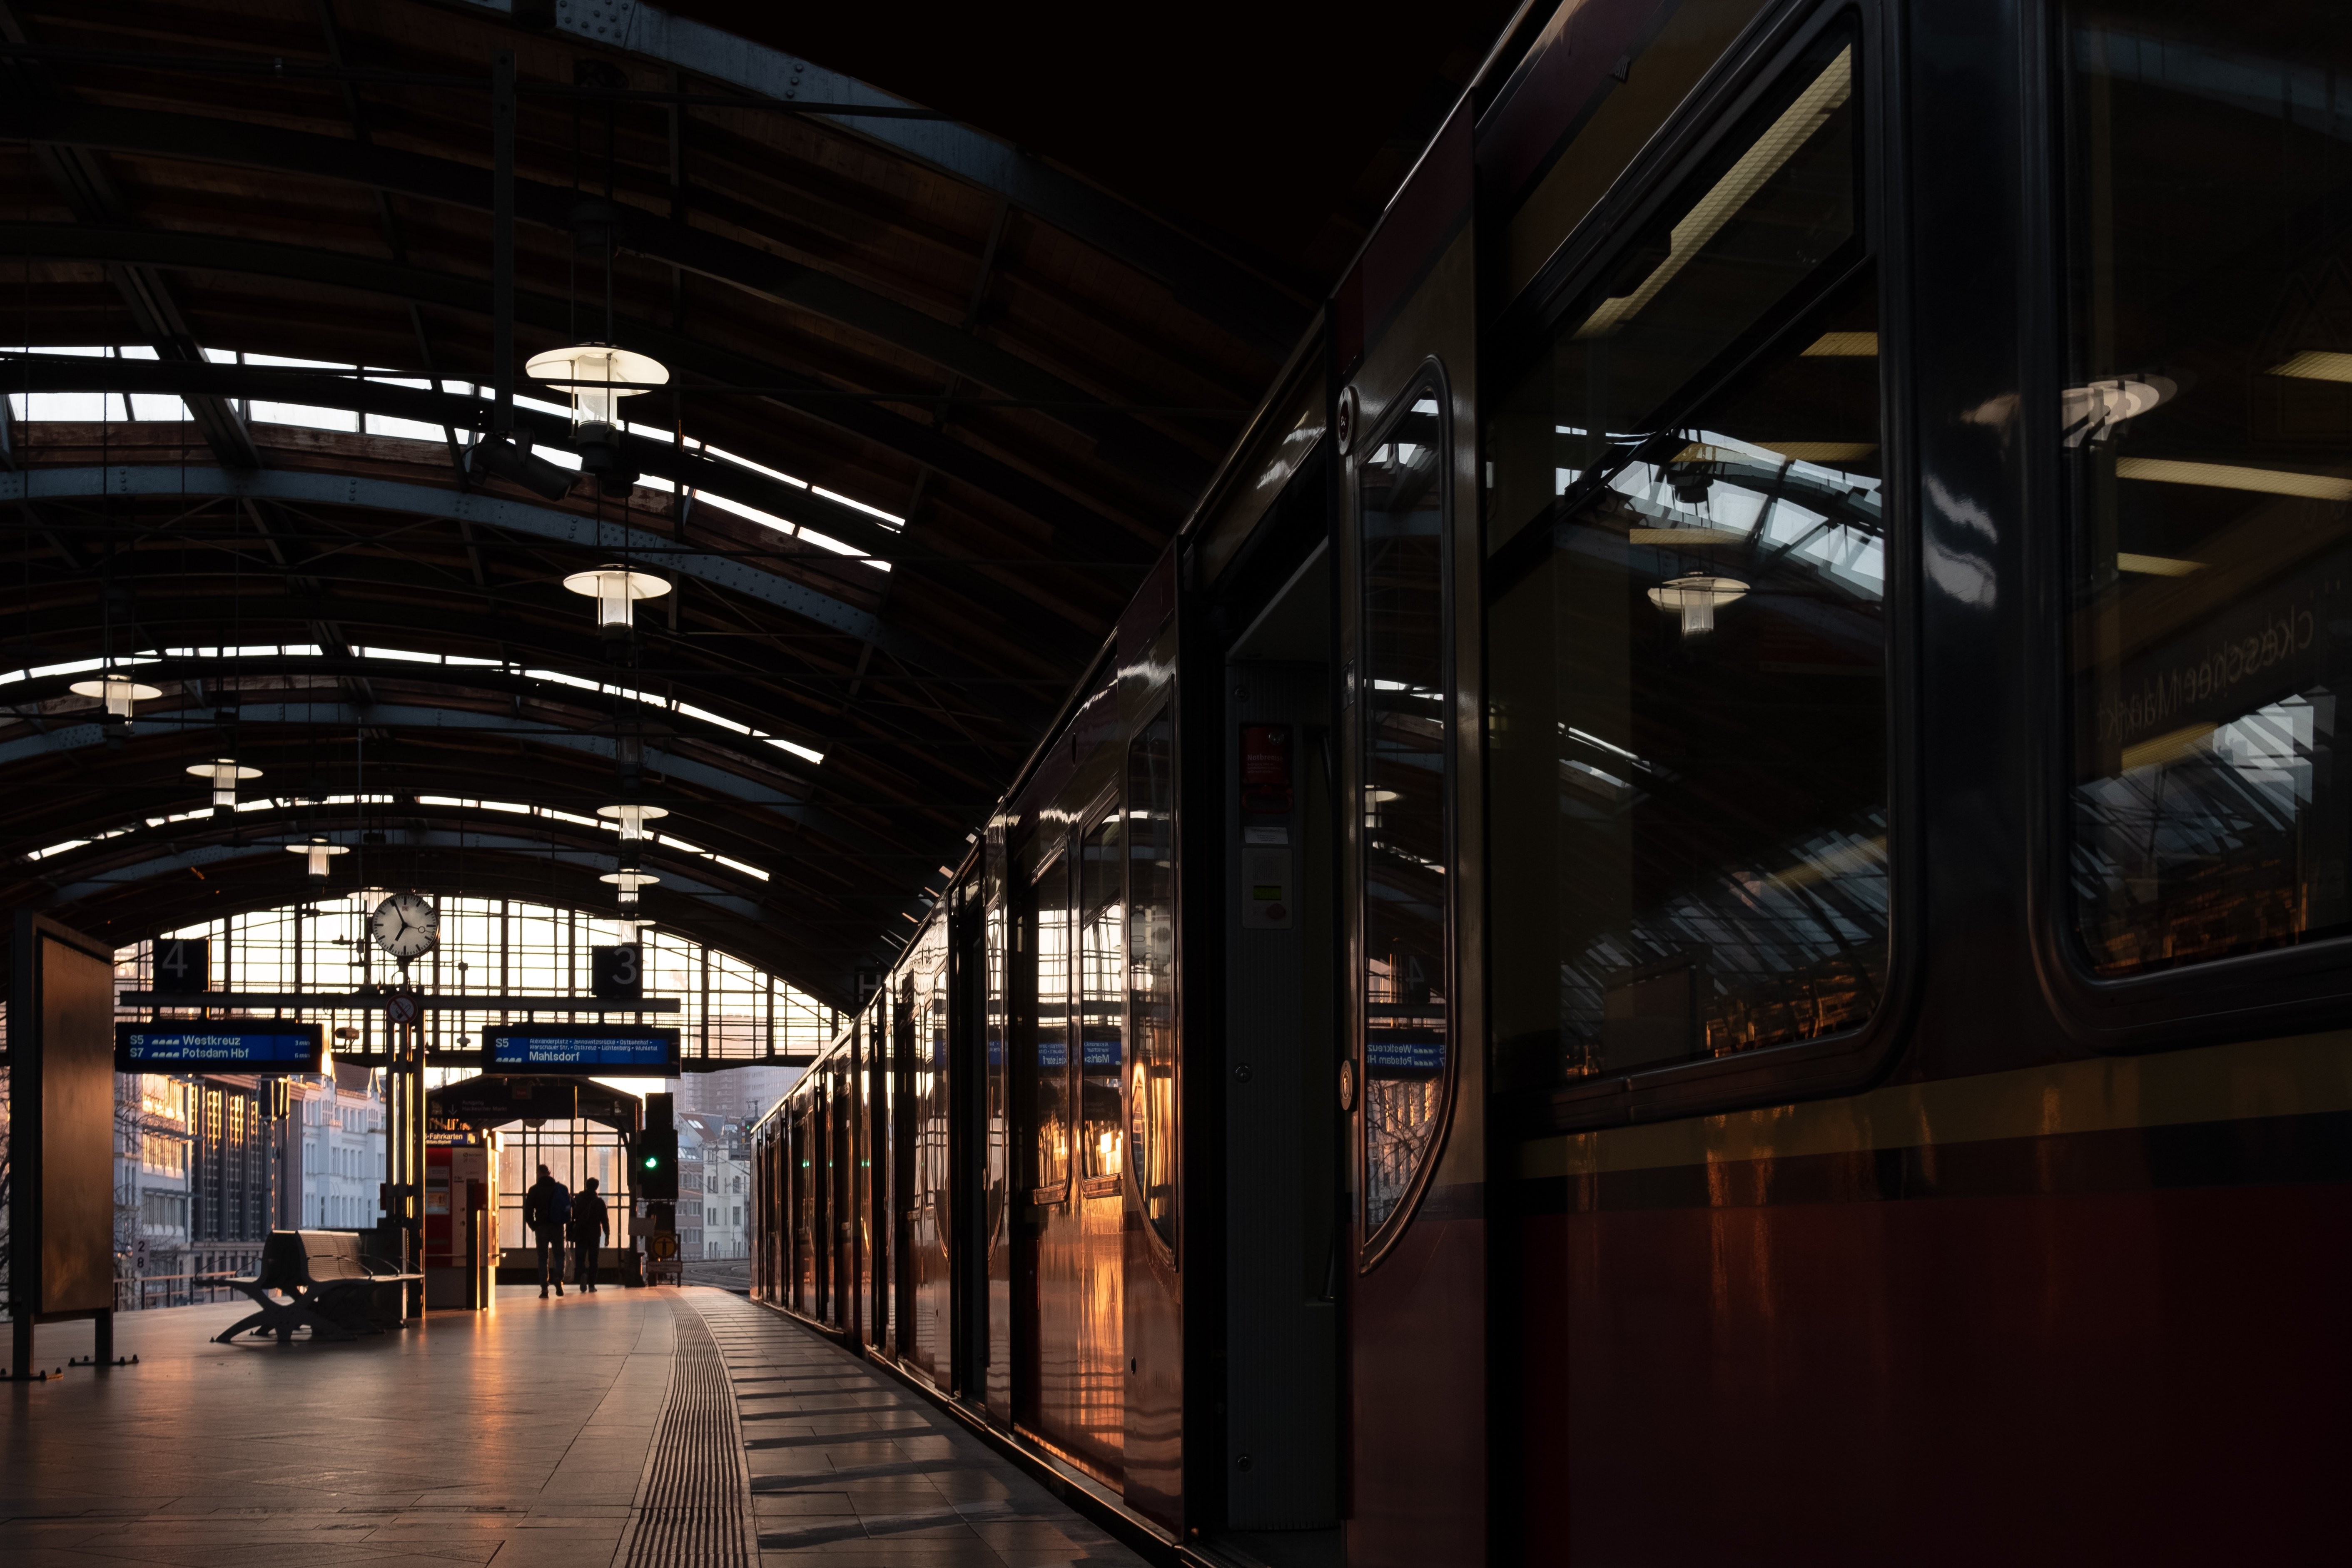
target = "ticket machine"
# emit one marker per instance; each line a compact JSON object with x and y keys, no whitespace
{"x":461,"y":1210}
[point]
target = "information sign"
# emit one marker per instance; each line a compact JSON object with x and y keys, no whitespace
{"x":579,"y":1047}
{"x":260,"y":1045}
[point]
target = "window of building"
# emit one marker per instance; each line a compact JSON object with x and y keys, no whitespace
{"x":1686,"y":631}
{"x":2206,"y":430}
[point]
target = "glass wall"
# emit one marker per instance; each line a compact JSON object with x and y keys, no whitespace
{"x":2206,"y":428}
{"x":729,"y":1009}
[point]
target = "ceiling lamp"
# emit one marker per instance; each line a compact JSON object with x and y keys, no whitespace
{"x":318,"y":852}
{"x":597,"y":377}
{"x":633,"y":818}
{"x":616,"y":590}
{"x":118,"y":691}
{"x":628,"y":882}
{"x":1697,"y":598}
{"x":223,"y":772}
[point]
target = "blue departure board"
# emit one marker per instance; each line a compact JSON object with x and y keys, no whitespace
{"x":576,"y":1047}
{"x":260,"y":1045}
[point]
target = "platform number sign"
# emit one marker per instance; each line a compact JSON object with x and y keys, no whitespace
{"x":620,"y":972}
{"x":183,"y":965}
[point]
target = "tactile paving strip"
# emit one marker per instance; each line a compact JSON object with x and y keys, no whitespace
{"x":693,"y":1507}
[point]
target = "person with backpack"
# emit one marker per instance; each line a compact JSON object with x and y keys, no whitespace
{"x":547,"y":1212}
{"x":589,"y":1226}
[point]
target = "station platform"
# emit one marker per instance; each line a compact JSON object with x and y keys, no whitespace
{"x":664,"y":1428}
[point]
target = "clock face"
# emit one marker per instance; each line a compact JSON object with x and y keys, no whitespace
{"x":405,"y":926}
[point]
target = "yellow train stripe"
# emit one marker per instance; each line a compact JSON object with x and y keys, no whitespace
{"x":2298,"y":1076}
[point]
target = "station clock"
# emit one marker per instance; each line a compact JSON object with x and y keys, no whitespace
{"x":405,"y":926}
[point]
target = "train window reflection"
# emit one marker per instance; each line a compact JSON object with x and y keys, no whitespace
{"x":1051,"y":1030}
{"x":1772,"y":207}
{"x":1102,"y":989}
{"x":1687,"y":638}
{"x":1405,"y":729}
{"x":2205,"y":424}
{"x":1152,"y":967}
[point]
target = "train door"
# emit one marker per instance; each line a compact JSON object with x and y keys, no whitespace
{"x":904,"y":1024}
{"x":1040,"y":1082}
{"x":929,"y":1290}
{"x":1409,"y":562}
{"x":841,"y":1218}
{"x":804,"y":1275}
{"x":1098,"y":1083}
{"x":1281,"y":1104}
{"x":881,"y":1164}
{"x":1000,"y":1216}
{"x":1153,"y":1331}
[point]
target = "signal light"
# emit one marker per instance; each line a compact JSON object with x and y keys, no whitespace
{"x":657,"y":1164}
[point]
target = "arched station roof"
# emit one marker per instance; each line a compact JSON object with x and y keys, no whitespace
{"x":945,"y":381}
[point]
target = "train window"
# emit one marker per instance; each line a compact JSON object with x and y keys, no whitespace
{"x":1102,"y":998}
{"x":2205,"y":424}
{"x":1403,"y":695}
{"x":1051,"y":1030}
{"x":1152,"y":968}
{"x":1686,"y":639}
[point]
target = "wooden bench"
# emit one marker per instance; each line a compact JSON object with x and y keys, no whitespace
{"x":330,"y":1286}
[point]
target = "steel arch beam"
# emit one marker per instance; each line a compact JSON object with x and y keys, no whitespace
{"x":591,"y":534}
{"x":488,"y":681}
{"x":342,"y":270}
{"x":538,"y":849}
{"x":689,"y":470}
{"x":242,"y":144}
{"x":386,"y":716}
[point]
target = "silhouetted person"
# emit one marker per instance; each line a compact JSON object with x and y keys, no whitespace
{"x":547,"y":1210}
{"x":589,"y":1226}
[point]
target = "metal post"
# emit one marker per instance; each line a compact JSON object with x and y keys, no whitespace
{"x":502,"y":138}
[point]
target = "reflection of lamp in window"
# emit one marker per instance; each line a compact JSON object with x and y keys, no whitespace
{"x":1696,"y":598}
{"x":2096,"y":410}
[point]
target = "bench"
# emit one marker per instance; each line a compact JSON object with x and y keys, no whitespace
{"x":330,"y":1286}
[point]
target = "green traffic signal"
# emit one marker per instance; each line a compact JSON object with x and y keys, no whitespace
{"x":652,"y":1162}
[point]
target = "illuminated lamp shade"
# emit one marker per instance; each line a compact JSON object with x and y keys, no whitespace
{"x":628,"y":882}
{"x":1696,"y":600}
{"x":600,"y":376}
{"x":318,"y":852}
{"x":223,"y":772}
{"x":616,"y":590}
{"x":633,"y":818}
{"x":118,"y":691}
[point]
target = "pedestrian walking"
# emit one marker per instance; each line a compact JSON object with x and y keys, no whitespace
{"x":546,"y":1212}
{"x":589,"y":1227}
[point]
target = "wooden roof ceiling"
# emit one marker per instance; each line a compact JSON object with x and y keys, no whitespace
{"x":991,"y":338}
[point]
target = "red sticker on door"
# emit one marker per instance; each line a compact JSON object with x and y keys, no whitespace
{"x":1266,"y":770}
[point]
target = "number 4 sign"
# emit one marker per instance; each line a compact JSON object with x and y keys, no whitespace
{"x":183,"y":965}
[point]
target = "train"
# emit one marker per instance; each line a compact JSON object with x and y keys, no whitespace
{"x":1699,"y":916}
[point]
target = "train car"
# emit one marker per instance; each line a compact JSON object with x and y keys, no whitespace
{"x":1700,"y":915}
